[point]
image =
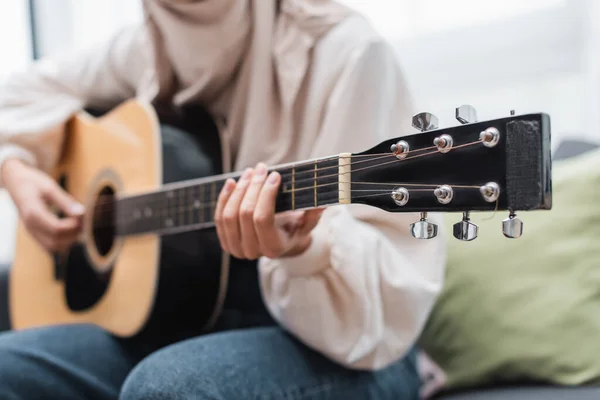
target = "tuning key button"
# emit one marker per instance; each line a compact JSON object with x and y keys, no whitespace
{"x":466,"y":230}
{"x":425,"y":121}
{"x":466,"y":114}
{"x":423,"y":229}
{"x":400,"y":149}
{"x":443,"y":143}
{"x":400,"y":196}
{"x":490,"y":137}
{"x":512,"y":227}
{"x":490,"y":192}
{"x":444,"y":194}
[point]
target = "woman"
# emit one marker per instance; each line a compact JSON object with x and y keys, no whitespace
{"x":288,"y":80}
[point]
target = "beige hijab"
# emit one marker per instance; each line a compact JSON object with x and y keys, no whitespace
{"x":211,"y":50}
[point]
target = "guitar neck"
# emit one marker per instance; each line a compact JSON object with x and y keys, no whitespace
{"x":190,"y":205}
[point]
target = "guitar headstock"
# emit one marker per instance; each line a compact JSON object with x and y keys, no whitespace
{"x":502,"y":164}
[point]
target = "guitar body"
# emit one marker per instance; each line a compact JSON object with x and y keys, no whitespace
{"x":141,"y":285}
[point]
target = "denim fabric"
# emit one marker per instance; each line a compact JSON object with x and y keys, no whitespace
{"x":246,"y":356}
{"x":261,"y":363}
{"x":67,"y":362}
{"x":84,"y":362}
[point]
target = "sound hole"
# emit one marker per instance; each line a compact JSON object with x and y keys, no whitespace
{"x":84,"y":284}
{"x":104,"y":221}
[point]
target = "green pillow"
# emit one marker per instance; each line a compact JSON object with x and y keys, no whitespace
{"x":528,"y":308}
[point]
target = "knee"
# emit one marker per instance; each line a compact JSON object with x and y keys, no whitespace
{"x":167,"y":375}
{"x":17,"y":382}
{"x":200,"y":368}
{"x":147,"y":381}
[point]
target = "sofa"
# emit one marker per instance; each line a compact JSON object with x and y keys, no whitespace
{"x":563,"y":256}
{"x":518,"y":390}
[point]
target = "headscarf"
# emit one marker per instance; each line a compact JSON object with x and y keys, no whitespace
{"x":207,"y":49}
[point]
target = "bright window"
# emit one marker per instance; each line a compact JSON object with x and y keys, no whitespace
{"x":409,"y":18}
{"x":15,"y":50}
{"x":15,"y":43}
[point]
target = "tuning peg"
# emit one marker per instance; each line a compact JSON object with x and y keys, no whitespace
{"x":512,"y":227}
{"x":425,"y":121}
{"x":466,"y":114}
{"x":465,"y":230}
{"x":423,"y":229}
{"x":400,"y":196}
{"x":400,"y":149}
{"x":444,"y":194}
{"x":490,"y":192}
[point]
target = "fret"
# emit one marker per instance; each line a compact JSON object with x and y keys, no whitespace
{"x":194,"y":205}
{"x":200,"y":204}
{"x":190,"y":204}
{"x":183,"y":207}
{"x":168,"y":210}
{"x":213,"y":202}
{"x":177,"y":209}
{"x":159,"y":208}
{"x":315,"y":183}
{"x":293,"y":188}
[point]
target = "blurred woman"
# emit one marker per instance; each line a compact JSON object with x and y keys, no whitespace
{"x":287,"y":80}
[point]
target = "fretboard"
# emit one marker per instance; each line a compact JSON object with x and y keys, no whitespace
{"x":191,"y":205}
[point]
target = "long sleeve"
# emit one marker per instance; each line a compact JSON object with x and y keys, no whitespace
{"x":363,"y":290}
{"x":36,"y":103}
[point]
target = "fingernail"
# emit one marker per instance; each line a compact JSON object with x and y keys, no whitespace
{"x":229,"y":183}
{"x":261,"y":169}
{"x":77,"y":209}
{"x":273,"y":178}
{"x":246,"y":174}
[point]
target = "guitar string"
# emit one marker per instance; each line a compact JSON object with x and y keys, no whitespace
{"x":374,"y":157}
{"x":187,"y":227}
{"x":311,"y":171}
{"x":201,"y":225}
{"x":110,"y":203}
{"x":298,"y":198}
{"x":202,"y":208}
{"x":296,"y":173}
{"x":320,"y":194}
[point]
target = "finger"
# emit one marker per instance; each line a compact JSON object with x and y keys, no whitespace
{"x":310,"y":220}
{"x":264,"y":218}
{"x":38,"y":217}
{"x":55,"y":195}
{"x":250,"y":243}
{"x":231,"y":215}
{"x":50,"y":224}
{"x":221,"y":202}
{"x":56,"y":244}
{"x":290,"y":220}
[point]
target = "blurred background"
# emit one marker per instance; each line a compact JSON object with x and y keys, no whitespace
{"x":527,"y":55}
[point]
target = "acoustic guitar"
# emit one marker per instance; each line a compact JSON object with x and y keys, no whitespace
{"x":149,"y":253}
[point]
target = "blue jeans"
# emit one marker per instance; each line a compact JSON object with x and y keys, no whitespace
{"x":84,"y":362}
{"x":246,"y":356}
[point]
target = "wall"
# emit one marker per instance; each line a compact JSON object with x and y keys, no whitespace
{"x":534,"y":55}
{"x":15,"y":49}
